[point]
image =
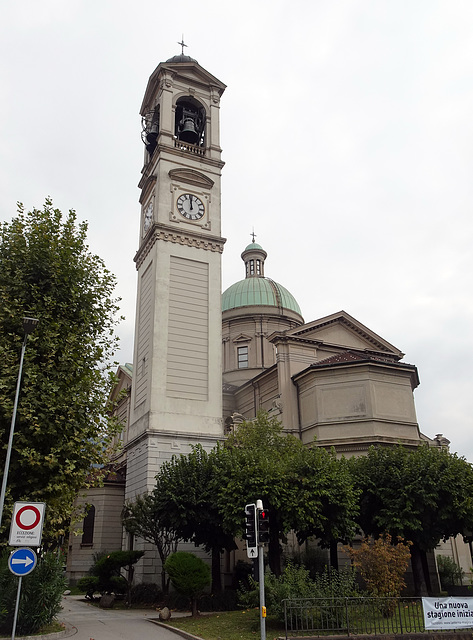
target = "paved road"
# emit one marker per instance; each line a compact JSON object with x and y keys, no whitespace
{"x":92,"y":623}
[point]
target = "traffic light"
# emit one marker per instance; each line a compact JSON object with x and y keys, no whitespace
{"x":263,"y":526}
{"x":250,"y":525}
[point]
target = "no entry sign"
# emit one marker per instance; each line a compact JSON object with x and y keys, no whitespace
{"x":27,"y":524}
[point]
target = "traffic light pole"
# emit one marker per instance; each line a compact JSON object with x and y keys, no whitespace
{"x":262,"y":607}
{"x":256,"y":535}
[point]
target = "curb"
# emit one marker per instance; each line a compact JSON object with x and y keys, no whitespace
{"x":67,"y":632}
{"x":179,"y":632}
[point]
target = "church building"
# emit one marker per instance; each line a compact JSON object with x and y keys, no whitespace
{"x":204,"y":360}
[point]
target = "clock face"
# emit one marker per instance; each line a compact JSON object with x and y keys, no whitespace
{"x":148,"y":219}
{"x":190,"y":206}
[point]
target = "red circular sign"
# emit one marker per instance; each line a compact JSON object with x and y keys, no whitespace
{"x":37,"y":517}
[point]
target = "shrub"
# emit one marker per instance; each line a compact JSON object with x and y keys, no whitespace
{"x":449,"y":572}
{"x":41,"y":593}
{"x":314,"y":559}
{"x":189,"y":575}
{"x":146,"y":593}
{"x":295,"y":582}
{"x":382,"y":566}
{"x":104,"y":575}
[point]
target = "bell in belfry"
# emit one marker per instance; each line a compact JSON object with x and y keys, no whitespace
{"x":188,"y":130}
{"x":189,"y":126}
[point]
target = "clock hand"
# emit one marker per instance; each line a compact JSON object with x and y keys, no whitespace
{"x":191,"y":202}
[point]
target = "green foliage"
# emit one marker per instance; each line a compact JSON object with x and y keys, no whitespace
{"x":189,"y":575}
{"x":313,"y":558}
{"x":449,"y":572}
{"x":105,"y":574}
{"x":423,"y":495}
{"x":305,"y":489}
{"x":295,"y":582}
{"x":146,"y":518}
{"x":185,"y":499}
{"x":146,"y":593}
{"x":184,"y":492}
{"x":41,"y":593}
{"x":63,"y":427}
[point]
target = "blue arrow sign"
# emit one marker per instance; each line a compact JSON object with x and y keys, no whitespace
{"x":22,"y":561}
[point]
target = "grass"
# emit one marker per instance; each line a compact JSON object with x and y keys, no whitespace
{"x":229,"y":625}
{"x":53,"y":627}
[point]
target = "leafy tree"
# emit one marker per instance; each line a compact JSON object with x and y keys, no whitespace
{"x":423,"y":495}
{"x":62,"y":427}
{"x":383,"y":566}
{"x":305,"y":489}
{"x":105,"y":574}
{"x":185,"y":497}
{"x":144,"y":518}
{"x":189,"y":575}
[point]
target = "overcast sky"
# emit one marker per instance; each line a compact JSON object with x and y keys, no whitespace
{"x":347,"y":135}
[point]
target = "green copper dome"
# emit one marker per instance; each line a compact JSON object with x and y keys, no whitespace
{"x":258,"y":291}
{"x":254,"y":245}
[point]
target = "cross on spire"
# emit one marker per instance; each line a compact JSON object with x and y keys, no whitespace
{"x":183,"y":44}
{"x":253,"y":235}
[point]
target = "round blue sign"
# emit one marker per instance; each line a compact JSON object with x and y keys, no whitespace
{"x":22,"y":561}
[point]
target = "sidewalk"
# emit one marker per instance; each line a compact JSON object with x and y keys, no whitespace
{"x":87,"y":622}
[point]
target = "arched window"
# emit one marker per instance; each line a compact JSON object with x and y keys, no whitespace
{"x":88,"y":527}
{"x":190,"y":121}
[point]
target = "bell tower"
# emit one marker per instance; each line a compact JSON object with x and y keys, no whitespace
{"x":176,"y":398}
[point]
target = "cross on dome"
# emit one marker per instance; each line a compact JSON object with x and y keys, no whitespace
{"x":183,"y":44}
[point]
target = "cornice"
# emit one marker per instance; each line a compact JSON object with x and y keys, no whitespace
{"x":145,"y":436}
{"x":176,"y":236}
{"x":162,"y":150}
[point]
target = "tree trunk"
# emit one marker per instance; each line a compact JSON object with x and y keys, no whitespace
{"x":274,"y":552}
{"x":216,"y":575}
{"x":417,"y":564}
{"x":334,"y":555}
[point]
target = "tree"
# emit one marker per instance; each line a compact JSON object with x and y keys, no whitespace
{"x":63,"y":428}
{"x":185,"y":494}
{"x":423,"y":495}
{"x":144,"y":518}
{"x":189,"y":576}
{"x":105,"y":574}
{"x":305,"y":489}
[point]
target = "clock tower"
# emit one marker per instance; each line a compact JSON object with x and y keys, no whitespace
{"x":176,"y":398}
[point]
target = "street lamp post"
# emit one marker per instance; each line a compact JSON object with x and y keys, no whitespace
{"x":29,"y":324}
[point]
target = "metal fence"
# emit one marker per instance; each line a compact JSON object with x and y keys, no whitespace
{"x":352,"y":616}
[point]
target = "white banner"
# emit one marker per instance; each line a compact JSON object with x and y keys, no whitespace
{"x":447,"y":613}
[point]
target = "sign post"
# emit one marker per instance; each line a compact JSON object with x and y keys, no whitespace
{"x":26,"y":528}
{"x":21,"y":562}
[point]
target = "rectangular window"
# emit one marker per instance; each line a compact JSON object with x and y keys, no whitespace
{"x":242,"y":357}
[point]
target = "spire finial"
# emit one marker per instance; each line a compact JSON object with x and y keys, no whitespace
{"x":253,"y":235}
{"x":183,"y":44}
